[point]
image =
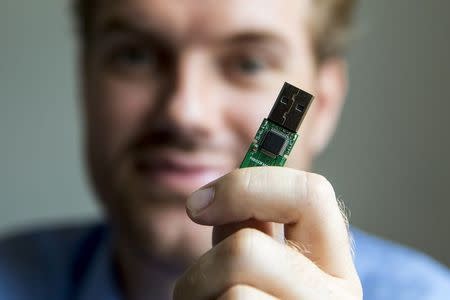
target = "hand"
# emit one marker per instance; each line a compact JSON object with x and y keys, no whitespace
{"x":297,"y":247}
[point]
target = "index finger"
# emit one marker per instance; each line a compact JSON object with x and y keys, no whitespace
{"x":304,"y":202}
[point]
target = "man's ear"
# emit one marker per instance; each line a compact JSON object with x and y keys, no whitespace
{"x":332,"y":85}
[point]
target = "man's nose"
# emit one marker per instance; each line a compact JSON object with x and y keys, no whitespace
{"x":191,"y":104}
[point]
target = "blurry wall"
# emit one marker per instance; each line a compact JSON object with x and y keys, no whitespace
{"x":389,"y":161}
{"x":41,"y":177}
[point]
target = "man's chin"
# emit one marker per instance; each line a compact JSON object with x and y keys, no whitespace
{"x":160,"y":228}
{"x":178,"y":236}
{"x":152,"y":214}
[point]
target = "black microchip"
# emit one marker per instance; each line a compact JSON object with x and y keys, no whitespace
{"x":273,"y":143}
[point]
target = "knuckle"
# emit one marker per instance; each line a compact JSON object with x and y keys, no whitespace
{"x":244,"y":242}
{"x":352,"y":289}
{"x":255,"y":180}
{"x":243,"y":291}
{"x":319,"y":187}
{"x":241,"y":251}
{"x":246,"y":179}
{"x":321,"y":184}
{"x":236,"y":183}
{"x":235,"y":292}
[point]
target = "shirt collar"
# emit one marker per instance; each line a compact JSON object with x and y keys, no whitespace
{"x":100,"y":281}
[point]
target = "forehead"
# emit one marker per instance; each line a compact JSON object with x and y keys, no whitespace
{"x":206,"y":19}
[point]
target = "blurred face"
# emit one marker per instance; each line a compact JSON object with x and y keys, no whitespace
{"x":174,"y":92}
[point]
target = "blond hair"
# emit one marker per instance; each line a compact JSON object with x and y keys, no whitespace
{"x":331,"y":24}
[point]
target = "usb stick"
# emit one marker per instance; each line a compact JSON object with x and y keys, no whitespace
{"x":277,"y":134}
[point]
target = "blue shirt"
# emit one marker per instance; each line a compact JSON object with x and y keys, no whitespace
{"x":75,"y":263}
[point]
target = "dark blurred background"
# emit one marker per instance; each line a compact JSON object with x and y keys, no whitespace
{"x":389,"y":161}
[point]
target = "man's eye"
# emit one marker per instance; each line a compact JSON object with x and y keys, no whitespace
{"x":133,"y":59}
{"x":247,"y":69}
{"x":250,"y":66}
{"x":134,"y":56}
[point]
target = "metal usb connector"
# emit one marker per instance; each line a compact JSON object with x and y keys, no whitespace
{"x":290,"y":107}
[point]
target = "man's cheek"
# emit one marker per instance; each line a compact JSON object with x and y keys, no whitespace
{"x":246,"y":117}
{"x":121,"y":114}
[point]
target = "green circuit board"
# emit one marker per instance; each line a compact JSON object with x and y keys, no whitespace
{"x":273,"y":152}
{"x":277,"y":134}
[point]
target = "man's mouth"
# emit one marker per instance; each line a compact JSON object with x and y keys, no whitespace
{"x":180,"y":172}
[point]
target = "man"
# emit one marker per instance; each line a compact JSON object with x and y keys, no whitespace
{"x":173,"y":92}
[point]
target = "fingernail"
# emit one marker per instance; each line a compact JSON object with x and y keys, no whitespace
{"x":200,"y":200}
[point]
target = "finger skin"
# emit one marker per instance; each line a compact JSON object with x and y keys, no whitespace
{"x":276,"y":231}
{"x":304,"y":202}
{"x":245,"y":292}
{"x":252,"y":258}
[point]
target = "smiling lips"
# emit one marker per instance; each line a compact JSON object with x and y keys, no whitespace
{"x":180,"y":172}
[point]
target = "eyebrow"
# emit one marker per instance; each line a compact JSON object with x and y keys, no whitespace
{"x":117,"y":25}
{"x":248,"y":36}
{"x":257,"y":37}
